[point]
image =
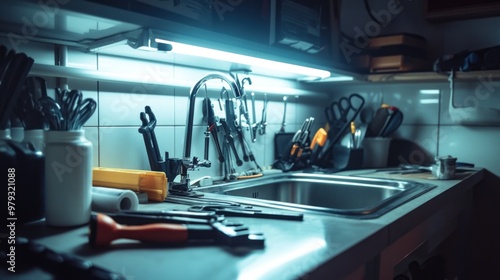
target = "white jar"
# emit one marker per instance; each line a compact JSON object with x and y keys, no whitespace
{"x":16,"y":133}
{"x":35,"y":137}
{"x":68,"y":178}
{"x":5,"y":134}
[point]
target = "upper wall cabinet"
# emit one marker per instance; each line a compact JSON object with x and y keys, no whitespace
{"x":294,"y":32}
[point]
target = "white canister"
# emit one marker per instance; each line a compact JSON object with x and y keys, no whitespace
{"x":68,"y":178}
{"x":35,"y":137}
{"x":5,"y":134}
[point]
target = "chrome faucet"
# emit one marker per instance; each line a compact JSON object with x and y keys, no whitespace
{"x":187,"y":162}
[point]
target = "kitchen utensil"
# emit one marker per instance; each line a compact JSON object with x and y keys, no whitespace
{"x":339,"y":115}
{"x":443,"y":169}
{"x":317,"y":144}
{"x":84,"y":111}
{"x":104,"y":230}
{"x":385,"y":121}
{"x":51,"y":112}
{"x":282,"y":139}
{"x":393,"y":122}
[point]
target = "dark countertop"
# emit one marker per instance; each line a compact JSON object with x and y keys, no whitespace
{"x":293,"y":249}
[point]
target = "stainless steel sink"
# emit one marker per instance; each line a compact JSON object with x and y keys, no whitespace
{"x":349,"y":196}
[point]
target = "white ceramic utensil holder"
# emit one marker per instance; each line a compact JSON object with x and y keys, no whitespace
{"x":68,"y":178}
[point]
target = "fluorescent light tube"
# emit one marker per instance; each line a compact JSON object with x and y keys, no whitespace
{"x":243,"y":59}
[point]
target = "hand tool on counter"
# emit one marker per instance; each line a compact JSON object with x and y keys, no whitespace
{"x":233,"y":209}
{"x":263,"y":121}
{"x":206,"y":217}
{"x":31,"y":254}
{"x":238,"y":211}
{"x":104,"y":230}
{"x":136,"y":218}
{"x":209,"y":116}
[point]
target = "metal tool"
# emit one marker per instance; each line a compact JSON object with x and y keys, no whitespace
{"x":300,"y":139}
{"x":238,"y":211}
{"x":51,"y":112}
{"x":209,"y":116}
{"x":230,"y":141}
{"x":104,"y":230}
{"x":171,"y":166}
{"x":31,"y":255}
{"x":283,"y":122}
{"x":263,"y":121}
{"x":147,"y":130}
{"x":254,"y":118}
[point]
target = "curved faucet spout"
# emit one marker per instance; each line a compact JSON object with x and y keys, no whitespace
{"x":192,"y":98}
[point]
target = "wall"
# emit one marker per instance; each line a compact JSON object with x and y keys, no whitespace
{"x":113,"y":129}
{"x":427,"y":119}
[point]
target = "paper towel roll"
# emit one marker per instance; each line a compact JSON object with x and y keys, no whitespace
{"x":113,"y":200}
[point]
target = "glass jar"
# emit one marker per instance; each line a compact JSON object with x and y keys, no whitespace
{"x":68,"y":178}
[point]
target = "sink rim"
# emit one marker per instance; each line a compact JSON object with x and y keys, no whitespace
{"x":411,"y":190}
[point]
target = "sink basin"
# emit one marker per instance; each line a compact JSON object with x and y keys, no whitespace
{"x":355,"y":197}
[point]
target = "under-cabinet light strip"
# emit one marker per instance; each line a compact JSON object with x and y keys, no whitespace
{"x":243,"y":59}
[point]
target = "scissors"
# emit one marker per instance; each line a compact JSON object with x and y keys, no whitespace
{"x":239,"y":211}
{"x":343,"y":111}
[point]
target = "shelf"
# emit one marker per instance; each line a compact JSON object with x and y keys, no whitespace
{"x":432,"y":76}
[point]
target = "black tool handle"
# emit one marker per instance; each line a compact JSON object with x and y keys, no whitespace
{"x":230,"y":141}
{"x":213,"y":131}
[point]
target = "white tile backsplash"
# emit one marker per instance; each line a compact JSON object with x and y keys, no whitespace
{"x":474,"y":144}
{"x":123,"y":147}
{"x":113,"y":129}
{"x":120,"y":105}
